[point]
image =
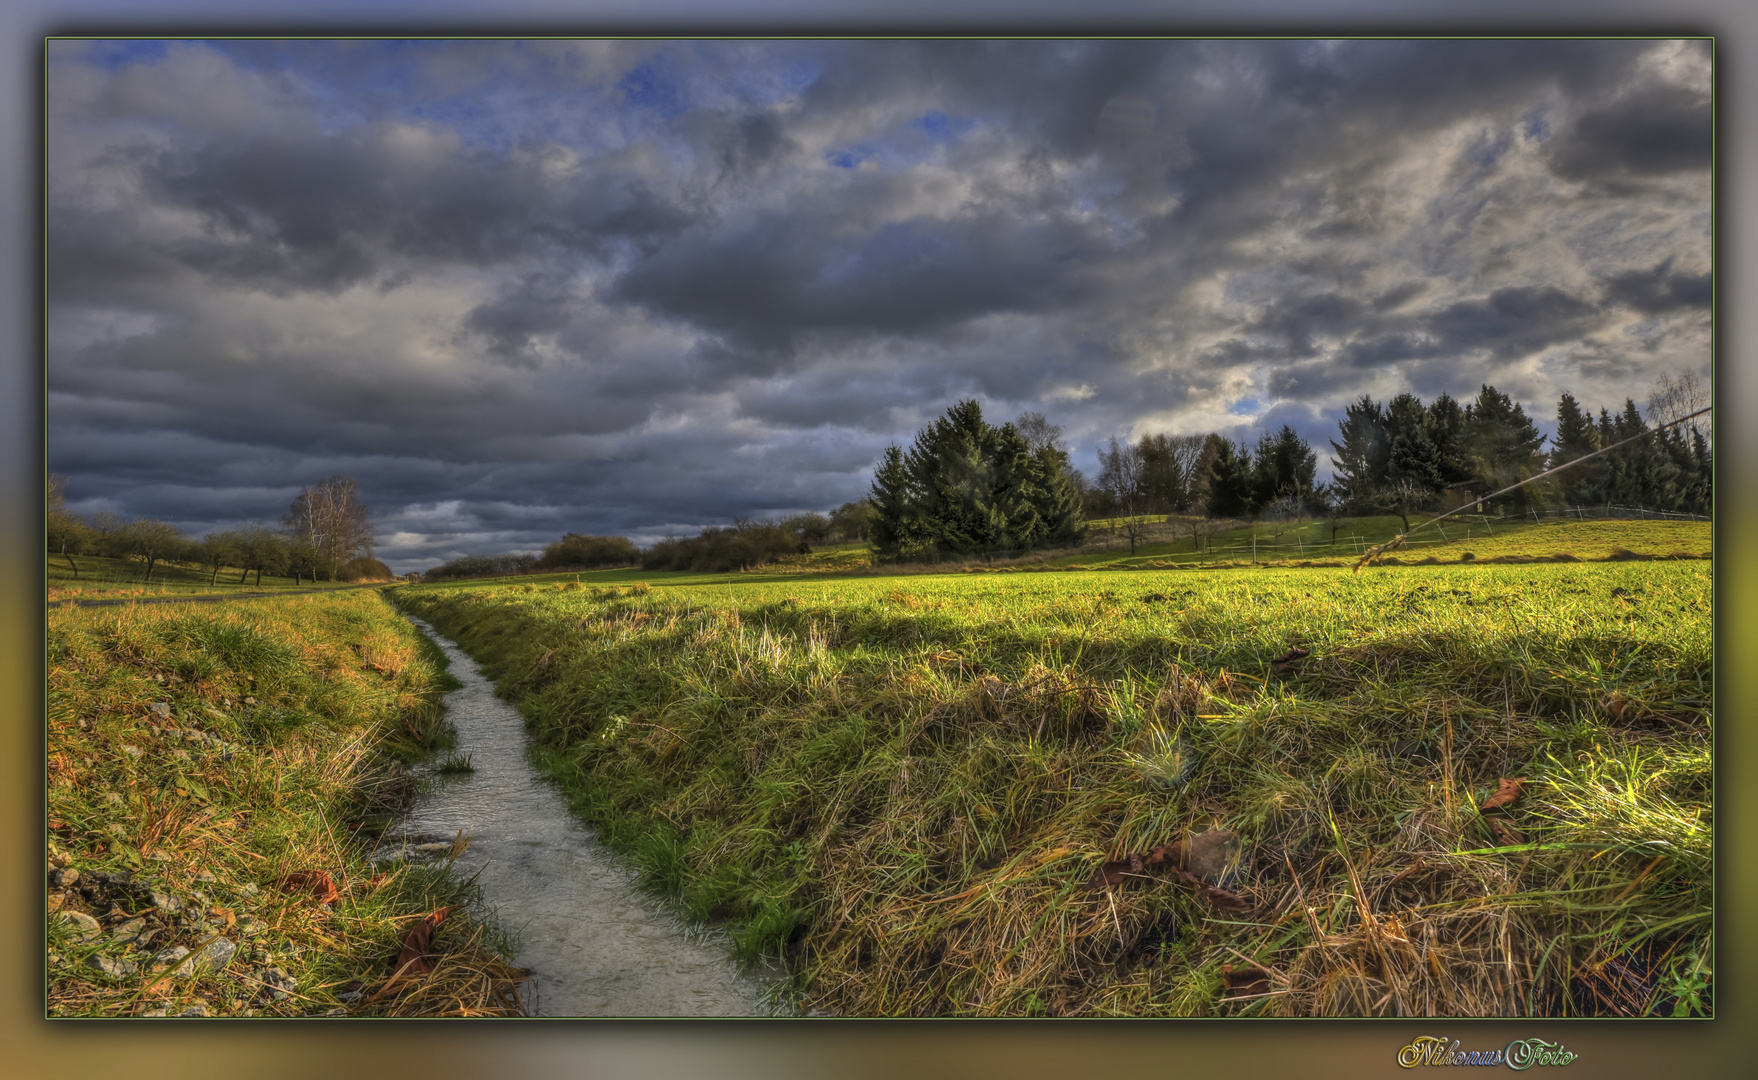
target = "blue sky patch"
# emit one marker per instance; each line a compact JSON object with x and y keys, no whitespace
{"x":849,"y":157}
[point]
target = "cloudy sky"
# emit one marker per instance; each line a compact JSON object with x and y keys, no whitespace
{"x":637,"y":287}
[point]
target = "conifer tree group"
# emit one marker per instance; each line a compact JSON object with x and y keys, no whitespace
{"x":966,"y":487}
{"x":1403,"y":454}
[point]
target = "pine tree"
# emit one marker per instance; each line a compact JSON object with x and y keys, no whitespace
{"x":949,"y":480}
{"x":1360,"y":465}
{"x":896,"y":528}
{"x":1700,"y":492}
{"x":1502,"y":445}
{"x":1013,"y":497}
{"x":1283,"y":467}
{"x":1231,"y":482}
{"x":1058,"y":501}
{"x":1446,"y":429}
{"x":1577,"y":437}
{"x":1412,"y":454}
{"x":965,"y":487}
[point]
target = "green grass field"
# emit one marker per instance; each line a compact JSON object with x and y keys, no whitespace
{"x":952,"y":794}
{"x":205,"y":763}
{"x":108,"y":578}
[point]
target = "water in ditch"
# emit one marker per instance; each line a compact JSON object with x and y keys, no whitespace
{"x":596,"y":944}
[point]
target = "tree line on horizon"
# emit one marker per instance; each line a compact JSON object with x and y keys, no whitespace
{"x":966,"y":487}
{"x":326,"y":534}
{"x":1402,"y":457}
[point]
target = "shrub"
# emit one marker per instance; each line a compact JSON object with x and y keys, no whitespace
{"x":579,"y":550}
{"x":365,"y":568}
{"x":482,"y":566}
{"x":743,"y":545}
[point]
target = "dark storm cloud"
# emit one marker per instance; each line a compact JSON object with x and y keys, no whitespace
{"x":781,"y":275}
{"x":1659,"y":290}
{"x":316,"y":213}
{"x":1665,"y":130}
{"x":519,"y":288}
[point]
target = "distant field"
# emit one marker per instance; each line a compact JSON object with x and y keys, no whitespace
{"x":1279,"y":545}
{"x":944,"y":794}
{"x":102,"y":577}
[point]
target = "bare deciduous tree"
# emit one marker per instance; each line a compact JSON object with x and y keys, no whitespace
{"x":330,"y":520}
{"x":1674,"y":399}
{"x":1120,"y":474}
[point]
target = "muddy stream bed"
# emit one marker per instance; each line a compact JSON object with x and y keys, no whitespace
{"x":597,"y":945}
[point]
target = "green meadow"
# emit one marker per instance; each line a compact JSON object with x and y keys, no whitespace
{"x":100,"y":577}
{"x":1094,"y":786}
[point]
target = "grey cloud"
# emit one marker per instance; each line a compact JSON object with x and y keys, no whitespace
{"x":1667,"y":129}
{"x":1659,"y":290}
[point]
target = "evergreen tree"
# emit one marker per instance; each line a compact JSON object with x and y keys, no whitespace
{"x":1231,"y":482}
{"x":1412,"y":454}
{"x":1446,"y":429}
{"x":1058,"y":499}
{"x":1501,"y":444}
{"x":1700,"y":490}
{"x":1576,"y":437}
{"x":1361,"y":459}
{"x":949,"y":480}
{"x":1283,"y":467}
{"x":896,"y":526}
{"x":965,"y":487}
{"x":1013,"y":497}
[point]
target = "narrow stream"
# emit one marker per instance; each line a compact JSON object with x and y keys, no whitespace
{"x":597,"y":945}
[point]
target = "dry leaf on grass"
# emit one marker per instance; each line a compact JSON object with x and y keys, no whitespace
{"x":316,"y":882}
{"x":1284,"y":664}
{"x":1506,"y":835}
{"x":1507,"y":793}
{"x":412,"y":960}
{"x":1204,"y":855}
{"x":1243,"y":981}
{"x":1113,"y":871}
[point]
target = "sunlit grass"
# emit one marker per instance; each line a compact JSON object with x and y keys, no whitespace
{"x":209,"y":752}
{"x":903,"y":784}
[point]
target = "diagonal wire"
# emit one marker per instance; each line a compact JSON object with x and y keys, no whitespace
{"x":1377,"y":551}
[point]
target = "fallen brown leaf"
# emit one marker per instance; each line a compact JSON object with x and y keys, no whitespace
{"x":1507,"y":793}
{"x":1284,"y":664}
{"x":1113,"y":871}
{"x":1506,"y":835}
{"x":1245,"y":980}
{"x":412,"y":959}
{"x":1221,"y":898}
{"x":1208,"y":854}
{"x":316,"y":882}
{"x":1166,"y":854}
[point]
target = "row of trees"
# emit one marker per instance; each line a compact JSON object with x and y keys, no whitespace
{"x":747,"y":544}
{"x":326,"y":534}
{"x":966,"y":487}
{"x":1403,"y":457}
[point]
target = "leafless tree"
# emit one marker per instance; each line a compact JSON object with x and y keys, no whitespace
{"x":1675,"y":398}
{"x":330,"y":519}
{"x":1038,"y":432}
{"x":1120,"y":475}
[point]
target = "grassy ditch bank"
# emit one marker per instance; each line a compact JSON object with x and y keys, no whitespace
{"x":215,"y":773}
{"x":1452,"y":791}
